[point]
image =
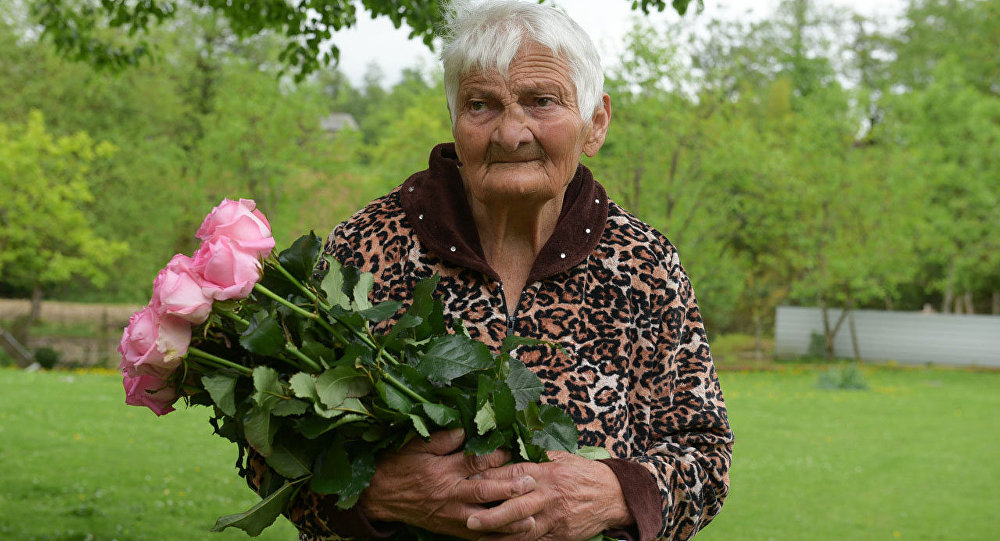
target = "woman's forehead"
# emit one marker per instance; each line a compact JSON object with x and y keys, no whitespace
{"x":534,"y":67}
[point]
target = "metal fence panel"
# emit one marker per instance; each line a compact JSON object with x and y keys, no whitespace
{"x":907,"y":337}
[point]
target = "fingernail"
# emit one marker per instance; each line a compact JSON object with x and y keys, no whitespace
{"x":457,"y":432}
{"x":473,"y":523}
{"x":476,"y":476}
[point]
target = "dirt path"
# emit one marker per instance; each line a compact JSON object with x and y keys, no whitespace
{"x":107,"y":320}
{"x":69,"y":312}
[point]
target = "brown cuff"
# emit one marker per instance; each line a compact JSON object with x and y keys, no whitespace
{"x":642,"y":497}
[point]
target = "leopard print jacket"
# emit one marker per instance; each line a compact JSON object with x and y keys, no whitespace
{"x":636,"y":373}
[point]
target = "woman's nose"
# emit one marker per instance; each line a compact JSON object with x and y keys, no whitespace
{"x":512,"y":131}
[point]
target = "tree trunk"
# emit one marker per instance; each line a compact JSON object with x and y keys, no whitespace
{"x":970,"y":307}
{"x":827,"y":335}
{"x":854,"y":332}
{"x":958,"y":302}
{"x":36,"y":305}
{"x":888,"y":304}
{"x":949,"y":293}
{"x":996,"y":303}
{"x":758,"y":331}
{"x":831,"y":333}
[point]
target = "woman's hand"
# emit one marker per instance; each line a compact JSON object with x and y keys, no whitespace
{"x":576,"y":498}
{"x":427,"y":484}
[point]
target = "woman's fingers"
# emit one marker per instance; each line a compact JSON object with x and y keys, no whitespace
{"x":442,"y":443}
{"x":509,"y":471}
{"x":476,"y":465}
{"x":513,"y":511}
{"x":491,"y":490}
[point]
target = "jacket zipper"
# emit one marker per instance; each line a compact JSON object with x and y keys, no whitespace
{"x":511,"y":316}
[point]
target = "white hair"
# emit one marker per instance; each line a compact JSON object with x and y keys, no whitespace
{"x":482,"y":35}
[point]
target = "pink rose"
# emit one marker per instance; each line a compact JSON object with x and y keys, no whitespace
{"x":177,"y":291}
{"x":227,"y":271}
{"x":152,"y":345}
{"x":150,"y":391}
{"x":241,"y":222}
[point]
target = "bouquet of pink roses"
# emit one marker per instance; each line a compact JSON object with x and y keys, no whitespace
{"x":285,"y":356}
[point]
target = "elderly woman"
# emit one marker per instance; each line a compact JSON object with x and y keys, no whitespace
{"x":526,"y":242}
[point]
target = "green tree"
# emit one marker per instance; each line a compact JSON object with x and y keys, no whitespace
{"x":45,"y":233}
{"x":113,"y":33}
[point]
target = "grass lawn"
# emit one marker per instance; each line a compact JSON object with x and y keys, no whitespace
{"x":916,"y":457}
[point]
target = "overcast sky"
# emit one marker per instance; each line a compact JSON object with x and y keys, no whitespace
{"x":606,"y":21}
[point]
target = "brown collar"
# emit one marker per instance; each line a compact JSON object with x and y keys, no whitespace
{"x":435,"y":204}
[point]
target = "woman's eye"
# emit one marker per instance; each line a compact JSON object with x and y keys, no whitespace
{"x":544,"y":102}
{"x":477,"y":105}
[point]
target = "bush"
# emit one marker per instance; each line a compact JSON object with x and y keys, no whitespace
{"x":846,"y":377}
{"x":5,"y":359}
{"x":47,"y":357}
{"x":817,"y":345}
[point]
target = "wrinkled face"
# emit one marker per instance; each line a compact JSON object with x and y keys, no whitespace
{"x":520,"y":138}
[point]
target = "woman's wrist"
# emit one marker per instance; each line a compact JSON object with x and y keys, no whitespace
{"x":616,"y":514}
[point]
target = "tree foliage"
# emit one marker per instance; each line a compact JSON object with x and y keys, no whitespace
{"x":45,"y":233}
{"x":113,"y":33}
{"x":787,"y":167}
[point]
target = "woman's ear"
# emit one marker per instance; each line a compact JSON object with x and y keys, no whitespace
{"x":598,"y":127}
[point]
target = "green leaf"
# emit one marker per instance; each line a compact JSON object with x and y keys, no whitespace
{"x":333,"y":284}
{"x":523,"y":383}
{"x":381,"y":311}
{"x":264,"y":335}
{"x":303,"y":385}
{"x":290,"y":457}
{"x":593,"y":452}
{"x":559,"y":432}
{"x":300,"y":258}
{"x":259,"y":428}
{"x":452,"y":356}
{"x":434,"y":322}
{"x":503,"y":405}
{"x":289,"y":407}
{"x":485,"y":419}
{"x":333,"y":470}
{"x":362,"y":469}
{"x":413,"y":379}
{"x":393,"y":397}
{"x":481,"y":445}
{"x":260,"y":516}
{"x":313,"y":427}
{"x":361,"y":290}
{"x":513,"y":341}
{"x":314,"y":349}
{"x":423,"y":297}
{"x":337,"y":384}
{"x":222,"y":389}
{"x":267,"y":389}
{"x":441,"y":415}
{"x":528,"y":451}
{"x":419,"y":425}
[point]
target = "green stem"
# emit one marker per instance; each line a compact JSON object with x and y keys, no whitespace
{"x":233,"y":317}
{"x":404,"y":389}
{"x":297,"y":309}
{"x":219,"y":361}
{"x":308,"y":293}
{"x":313,"y":365}
{"x":368,"y":341}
